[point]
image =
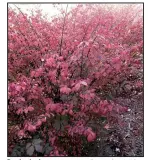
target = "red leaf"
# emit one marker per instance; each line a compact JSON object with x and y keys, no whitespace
{"x":123,"y":109}
{"x":83,"y":82}
{"x":19,"y":111}
{"x":71,"y":112}
{"x":30,"y":108}
{"x":50,"y":62}
{"x":43,"y":119}
{"x":47,"y":107}
{"x":52,"y":107}
{"x":110,"y":107}
{"x":76,"y":87}
{"x":91,"y":137}
{"x":31,"y":128}
{"x":26,"y":110}
{"x":107,"y":126}
{"x":21,"y":133}
{"x":65,"y":90}
{"x":39,"y":123}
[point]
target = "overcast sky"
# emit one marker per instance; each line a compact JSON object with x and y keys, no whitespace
{"x":46,"y":8}
{"x":50,"y":10}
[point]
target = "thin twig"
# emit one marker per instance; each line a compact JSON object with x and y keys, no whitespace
{"x":63,"y":31}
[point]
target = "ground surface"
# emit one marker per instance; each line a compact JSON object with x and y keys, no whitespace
{"x":126,"y":140}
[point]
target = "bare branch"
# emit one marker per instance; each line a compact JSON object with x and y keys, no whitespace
{"x":63,"y":31}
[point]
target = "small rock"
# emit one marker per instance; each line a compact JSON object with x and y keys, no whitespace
{"x":117,"y":150}
{"x":129,"y":110}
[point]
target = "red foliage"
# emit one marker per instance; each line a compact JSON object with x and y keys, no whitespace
{"x":56,"y":69}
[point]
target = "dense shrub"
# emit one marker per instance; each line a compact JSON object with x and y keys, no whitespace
{"x":64,"y":73}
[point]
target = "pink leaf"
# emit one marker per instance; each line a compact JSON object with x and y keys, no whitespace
{"x":21,"y":133}
{"x":84,"y":83}
{"x":18,"y":88}
{"x":52,"y":107}
{"x":107,"y":126}
{"x":65,"y":90}
{"x":91,"y":137}
{"x":19,"y":111}
{"x":50,"y":62}
{"x":26,"y":110}
{"x":32,"y":74}
{"x":47,"y":107}
{"x":123,"y":109}
{"x":43,"y":119}
{"x":76,"y":87}
{"x":71,"y":112}
{"x":30,"y":108}
{"x":39,"y":123}
{"x":116,"y":60}
{"x":31,"y":128}
{"x":110,"y":107}
{"x":88,"y":131}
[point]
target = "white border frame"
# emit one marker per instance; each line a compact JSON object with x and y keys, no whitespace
{"x":3,"y":84}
